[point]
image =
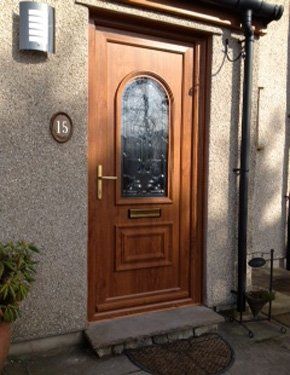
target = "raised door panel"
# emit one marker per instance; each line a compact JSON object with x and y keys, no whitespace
{"x":143,"y":246}
{"x":141,"y":133}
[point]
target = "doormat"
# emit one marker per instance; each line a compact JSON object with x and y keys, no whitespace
{"x":208,"y":354}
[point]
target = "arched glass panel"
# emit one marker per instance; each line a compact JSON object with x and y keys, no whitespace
{"x":145,"y":138}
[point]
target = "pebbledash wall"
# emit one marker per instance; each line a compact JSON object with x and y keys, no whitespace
{"x":43,"y":195}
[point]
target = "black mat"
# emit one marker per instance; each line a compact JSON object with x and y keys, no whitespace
{"x":208,"y":354}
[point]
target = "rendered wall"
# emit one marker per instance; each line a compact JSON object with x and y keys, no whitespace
{"x":43,"y":195}
{"x":271,"y":162}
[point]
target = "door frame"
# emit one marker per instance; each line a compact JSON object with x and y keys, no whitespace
{"x":202,"y":44}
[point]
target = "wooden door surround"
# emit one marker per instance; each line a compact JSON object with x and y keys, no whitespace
{"x":145,"y":246}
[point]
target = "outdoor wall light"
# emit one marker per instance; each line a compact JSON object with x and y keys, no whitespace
{"x":37,"y":26}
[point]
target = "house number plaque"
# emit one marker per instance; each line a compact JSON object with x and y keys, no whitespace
{"x":61,"y":127}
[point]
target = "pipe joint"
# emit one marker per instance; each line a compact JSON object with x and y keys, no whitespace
{"x":248,"y":24}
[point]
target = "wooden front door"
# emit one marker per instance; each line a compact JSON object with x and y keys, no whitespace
{"x":143,"y":254}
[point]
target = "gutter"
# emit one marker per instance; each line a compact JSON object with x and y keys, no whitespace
{"x":261,"y":10}
{"x":266,"y":12}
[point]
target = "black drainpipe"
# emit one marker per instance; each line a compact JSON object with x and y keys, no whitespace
{"x":245,"y":158}
{"x":264,"y":12}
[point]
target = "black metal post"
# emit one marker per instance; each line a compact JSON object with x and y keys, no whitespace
{"x":245,"y":157}
{"x":262,"y":10}
{"x":271,"y":283}
{"x":288,"y":237}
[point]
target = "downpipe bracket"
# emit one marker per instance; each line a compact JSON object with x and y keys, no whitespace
{"x":239,"y":171}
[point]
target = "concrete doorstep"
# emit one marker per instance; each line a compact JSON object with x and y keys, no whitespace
{"x":114,"y":336}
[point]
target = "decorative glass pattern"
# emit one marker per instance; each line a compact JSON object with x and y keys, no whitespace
{"x":145,"y":138}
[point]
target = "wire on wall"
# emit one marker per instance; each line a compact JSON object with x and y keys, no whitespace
{"x":230,"y":59}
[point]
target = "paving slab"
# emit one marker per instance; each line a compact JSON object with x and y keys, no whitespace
{"x":268,"y":357}
{"x":280,"y":305}
{"x":266,"y":354}
{"x":18,"y":367}
{"x":73,"y":361}
{"x":141,"y":327}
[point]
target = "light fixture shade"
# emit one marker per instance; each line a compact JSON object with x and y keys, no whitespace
{"x":36,"y":27}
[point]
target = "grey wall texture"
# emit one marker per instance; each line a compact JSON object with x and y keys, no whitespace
{"x":271,"y":162}
{"x":43,"y":196}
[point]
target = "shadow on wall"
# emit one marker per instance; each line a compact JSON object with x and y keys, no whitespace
{"x":271,"y":172}
{"x":267,"y":171}
{"x":265,"y":215}
{"x":222,"y":219}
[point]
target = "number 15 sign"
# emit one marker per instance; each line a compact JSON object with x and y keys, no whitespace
{"x":61,"y":127}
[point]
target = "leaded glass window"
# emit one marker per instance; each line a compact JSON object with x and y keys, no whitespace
{"x":145,"y":138}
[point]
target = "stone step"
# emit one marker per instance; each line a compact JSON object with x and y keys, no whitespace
{"x":114,"y":336}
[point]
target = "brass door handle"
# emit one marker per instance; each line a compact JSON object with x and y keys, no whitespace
{"x":100,"y":180}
